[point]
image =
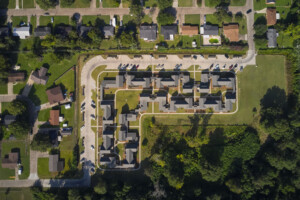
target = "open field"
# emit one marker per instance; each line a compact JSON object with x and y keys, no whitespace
{"x":15,"y":193}
{"x":27,"y":4}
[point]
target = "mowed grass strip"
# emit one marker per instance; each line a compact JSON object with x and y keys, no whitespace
{"x":95,"y":19}
{"x":43,"y":169}
{"x":185,"y":3}
{"x":28,"y":4}
{"x":79,"y":4}
{"x":192,"y":19}
{"x":111,"y":3}
{"x":253,"y":84}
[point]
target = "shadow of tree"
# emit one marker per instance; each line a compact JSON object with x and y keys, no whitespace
{"x":275,"y":97}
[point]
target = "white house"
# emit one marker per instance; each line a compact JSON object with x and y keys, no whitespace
{"x":21,"y":32}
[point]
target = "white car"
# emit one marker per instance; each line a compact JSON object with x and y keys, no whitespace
{"x":82,"y":127}
{"x":92,"y":147}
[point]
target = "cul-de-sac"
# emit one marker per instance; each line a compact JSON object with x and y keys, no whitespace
{"x":149,"y":99}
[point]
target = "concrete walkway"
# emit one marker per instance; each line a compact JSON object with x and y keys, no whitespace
{"x":10,"y":88}
{"x":28,"y":86}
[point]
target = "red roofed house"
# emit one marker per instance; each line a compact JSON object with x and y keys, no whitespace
{"x":231,"y":31}
{"x":189,"y":30}
{"x":54,"y":117}
{"x":271,"y":16}
{"x":55,"y":95}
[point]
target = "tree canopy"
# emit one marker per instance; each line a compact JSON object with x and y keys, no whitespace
{"x":165,"y":18}
{"x":46,"y":4}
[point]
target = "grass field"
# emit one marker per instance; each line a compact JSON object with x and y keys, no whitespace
{"x":3,"y":88}
{"x":79,"y":4}
{"x":96,"y":71}
{"x":185,"y":3}
{"x":192,"y":19}
{"x":15,"y":193}
{"x":28,"y":4}
{"x":66,"y":150}
{"x":20,"y":146}
{"x":270,"y":72}
{"x":283,"y":2}
{"x":43,"y":169}
{"x":44,"y":115}
{"x":46,"y":20}
{"x":150,"y":3}
{"x":110,"y":3}
{"x":8,"y":4}
{"x":17,"y":20}
{"x":94,"y":19}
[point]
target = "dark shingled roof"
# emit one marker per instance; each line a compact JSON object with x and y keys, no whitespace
{"x":167,"y":31}
{"x":39,"y":76}
{"x":83,"y":30}
{"x":4,"y":31}
{"x":211,"y":30}
{"x":55,"y":165}
{"x":148,"y":32}
{"x":11,"y":161}
{"x":16,"y":76}
{"x":55,"y":95}
{"x":41,"y":31}
{"x":108,"y":31}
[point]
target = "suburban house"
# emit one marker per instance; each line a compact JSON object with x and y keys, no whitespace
{"x":16,"y":77}
{"x":4,"y":31}
{"x":39,"y":76}
{"x":148,"y":32}
{"x":130,"y":151}
{"x":108,"y":31}
{"x":53,"y":137}
{"x":128,"y":136}
{"x":271,"y":16}
{"x":11,"y":161}
{"x":8,"y":119}
{"x":63,"y":30}
{"x":210,"y":35}
{"x":84,"y":30}
{"x":108,"y":161}
{"x":21,"y":32}
{"x":169,"y":31}
{"x":231,"y":31}
{"x":272,"y":38}
{"x":230,"y":98}
{"x":270,"y":1}
{"x":189,"y":30}
{"x":107,"y":113}
{"x":42,"y":31}
{"x":55,"y":95}
{"x":55,"y":165}
{"x":54,"y":117}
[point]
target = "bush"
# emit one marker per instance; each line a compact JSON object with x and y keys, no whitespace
{"x":165,"y":18}
{"x":212,"y":41}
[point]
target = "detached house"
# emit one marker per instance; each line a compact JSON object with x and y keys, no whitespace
{"x":271,"y":16}
{"x":231,"y":31}
{"x":42,"y":31}
{"x":21,"y":32}
{"x":169,"y":31}
{"x":210,"y":35}
{"x":16,"y":77}
{"x":39,"y":76}
{"x":148,"y":32}
{"x":55,"y":95}
{"x":108,"y":31}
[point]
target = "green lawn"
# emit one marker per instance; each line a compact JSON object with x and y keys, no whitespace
{"x":150,"y":3}
{"x":43,"y":169}
{"x":67,"y":81}
{"x":127,"y":101}
{"x":28,"y":4}
{"x":16,"y":193}
{"x":16,"y":146}
{"x":68,"y":115}
{"x":18,"y":88}
{"x":147,"y":45}
{"x":46,"y":20}
{"x":44,"y":115}
{"x":187,"y":41}
{"x":110,"y":43}
{"x":147,"y":19}
{"x":33,"y":22}
{"x":127,"y":18}
{"x":3,"y":88}
{"x":38,"y":94}
{"x":192,"y":19}
{"x":270,"y":72}
{"x":283,"y":11}
{"x":259,"y":4}
{"x":79,"y":4}
{"x":17,"y":20}
{"x":185,"y":3}
{"x":238,"y":2}
{"x":283,"y":3}
{"x":110,"y":3}
{"x":66,"y":150}
{"x":96,"y":71}
{"x":126,"y":3}
{"x":284,"y":40}
{"x":94,"y":19}
{"x":8,"y":4}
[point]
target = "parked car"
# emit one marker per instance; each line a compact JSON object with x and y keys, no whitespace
{"x":82,"y":127}
{"x":241,"y":68}
{"x":92,"y":147}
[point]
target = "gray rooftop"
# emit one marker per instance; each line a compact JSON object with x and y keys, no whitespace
{"x":41,"y":31}
{"x":272,"y":38}
{"x":84,"y":30}
{"x":108,"y":31}
{"x":169,"y":30}
{"x":210,"y":29}
{"x":55,"y":165}
{"x":132,"y":80}
{"x":148,"y":32}
{"x":167,"y":82}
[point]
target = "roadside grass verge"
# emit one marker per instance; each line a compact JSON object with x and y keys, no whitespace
{"x":92,"y":20}
{"x":192,"y":19}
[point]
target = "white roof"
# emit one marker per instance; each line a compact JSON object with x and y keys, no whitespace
{"x":277,"y":15}
{"x":21,"y":32}
{"x":67,"y":106}
{"x":61,"y":119}
{"x":65,"y":125}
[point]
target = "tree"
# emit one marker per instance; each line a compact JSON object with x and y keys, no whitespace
{"x":101,"y":187}
{"x":136,"y":10}
{"x":16,"y":107}
{"x":46,"y":4}
{"x":73,"y":194}
{"x":4,"y":67}
{"x":165,"y":18}
{"x":49,"y":41}
{"x":38,"y":194}
{"x":127,"y":39}
{"x":41,"y":142}
{"x":163,"y":4}
{"x":222,"y":15}
{"x":260,"y":29}
{"x":18,"y":129}
{"x":95,"y":35}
